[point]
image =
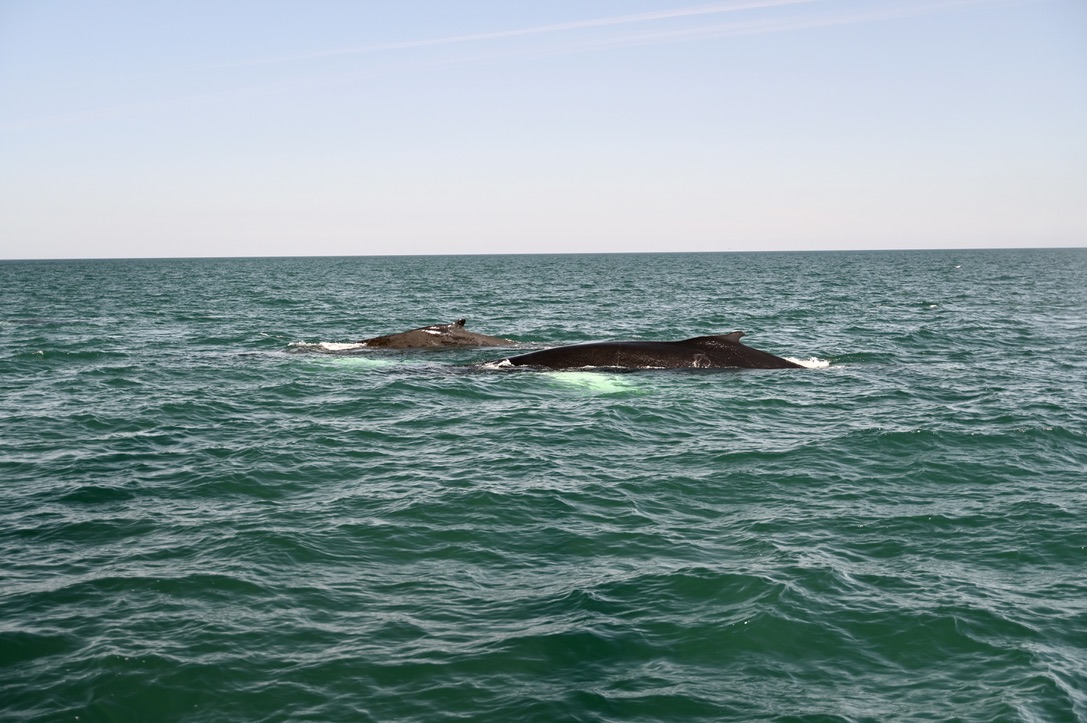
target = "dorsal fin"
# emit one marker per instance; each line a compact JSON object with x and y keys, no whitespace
{"x":459,"y":322}
{"x":731,"y":338}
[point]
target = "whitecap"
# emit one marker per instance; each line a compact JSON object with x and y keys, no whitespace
{"x":810,"y":362}
{"x":326,"y":346}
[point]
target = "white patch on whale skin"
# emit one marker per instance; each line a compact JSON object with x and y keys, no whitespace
{"x":435,"y":332}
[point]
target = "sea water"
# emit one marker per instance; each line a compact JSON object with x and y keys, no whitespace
{"x":214,"y":505}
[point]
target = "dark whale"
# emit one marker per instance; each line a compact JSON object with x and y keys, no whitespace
{"x":435,"y":336}
{"x":702,"y":352}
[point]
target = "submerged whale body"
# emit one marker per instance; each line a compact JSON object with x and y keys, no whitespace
{"x":434,"y":336}
{"x":702,"y":352}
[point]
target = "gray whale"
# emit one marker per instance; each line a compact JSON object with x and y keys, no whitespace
{"x":436,"y":336}
{"x":701,"y":352}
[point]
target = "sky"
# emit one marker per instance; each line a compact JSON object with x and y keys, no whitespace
{"x":131,"y":128}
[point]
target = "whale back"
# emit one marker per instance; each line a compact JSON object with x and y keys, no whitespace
{"x":702,"y":352}
{"x":436,"y":336}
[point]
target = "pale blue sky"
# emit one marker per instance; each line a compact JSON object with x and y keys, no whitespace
{"x":132,"y":129}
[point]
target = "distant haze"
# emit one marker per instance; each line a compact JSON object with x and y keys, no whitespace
{"x":133,"y":129}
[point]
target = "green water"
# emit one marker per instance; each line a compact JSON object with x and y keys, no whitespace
{"x":214,"y":507}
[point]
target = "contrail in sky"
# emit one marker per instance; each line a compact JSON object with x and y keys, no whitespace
{"x":658,"y":15}
{"x":882,"y":11}
{"x":754,"y":27}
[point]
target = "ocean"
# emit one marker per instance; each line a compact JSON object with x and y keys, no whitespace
{"x":216,"y":506}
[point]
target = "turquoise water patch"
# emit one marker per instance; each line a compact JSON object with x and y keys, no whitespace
{"x":364,"y":362}
{"x":594,"y":382}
